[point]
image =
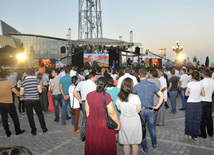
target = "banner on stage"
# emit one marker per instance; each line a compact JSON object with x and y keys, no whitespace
{"x":101,"y":59}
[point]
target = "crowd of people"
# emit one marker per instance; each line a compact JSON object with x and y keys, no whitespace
{"x":133,"y":96}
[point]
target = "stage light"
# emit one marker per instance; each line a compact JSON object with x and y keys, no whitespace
{"x":21,"y":57}
{"x":180,"y":57}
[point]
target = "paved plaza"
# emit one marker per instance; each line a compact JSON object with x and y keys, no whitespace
{"x":61,"y":140}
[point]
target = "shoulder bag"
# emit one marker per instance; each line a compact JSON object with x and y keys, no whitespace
{"x":111,"y":124}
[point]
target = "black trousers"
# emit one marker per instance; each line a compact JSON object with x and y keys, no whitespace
{"x":10,"y":109}
{"x":21,"y":106}
{"x":34,"y":104}
{"x":207,"y":120}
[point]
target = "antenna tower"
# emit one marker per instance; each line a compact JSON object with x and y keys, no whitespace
{"x":90,"y":19}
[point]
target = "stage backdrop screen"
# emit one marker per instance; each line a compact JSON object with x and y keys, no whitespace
{"x":101,"y":59}
{"x":49,"y":63}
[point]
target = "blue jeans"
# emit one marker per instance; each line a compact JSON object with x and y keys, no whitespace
{"x":57,"y":99}
{"x":183,"y":97}
{"x":84,"y":119}
{"x":64,"y":109}
{"x":172,"y":95}
{"x":148,"y":116}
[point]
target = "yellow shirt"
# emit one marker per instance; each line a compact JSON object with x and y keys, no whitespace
{"x":6,"y":92}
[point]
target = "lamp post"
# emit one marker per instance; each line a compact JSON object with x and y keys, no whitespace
{"x":177,"y":49}
{"x":163,"y":53}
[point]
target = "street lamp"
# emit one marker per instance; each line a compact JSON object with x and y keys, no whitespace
{"x":163,"y":53}
{"x":177,"y":49}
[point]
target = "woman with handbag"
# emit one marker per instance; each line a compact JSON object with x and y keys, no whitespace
{"x":74,"y":104}
{"x":113,"y":92}
{"x":99,"y":138}
{"x":130,"y":105}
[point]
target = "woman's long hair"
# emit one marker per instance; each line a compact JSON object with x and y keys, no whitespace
{"x":101,"y":84}
{"x":39,"y":76}
{"x":74,"y":79}
{"x":19,"y":77}
{"x":110,"y":82}
{"x":125,"y":90}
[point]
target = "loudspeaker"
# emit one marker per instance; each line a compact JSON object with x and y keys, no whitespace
{"x":77,"y":58}
{"x":63,"y":50}
{"x":113,"y":55}
{"x":137,"y":50}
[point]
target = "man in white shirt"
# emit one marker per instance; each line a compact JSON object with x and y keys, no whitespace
{"x":183,"y":86}
{"x":85,"y":87}
{"x":207,"y":121}
{"x":73,"y":72}
{"x":212,"y":75}
{"x":177,"y":72}
{"x":190,"y":74}
{"x":126,"y":75}
{"x":45,"y":79}
{"x":62,"y":72}
{"x":163,"y":85}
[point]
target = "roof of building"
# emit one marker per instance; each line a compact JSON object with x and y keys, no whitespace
{"x":4,"y":41}
{"x":92,"y":41}
{"x":35,"y":35}
{"x":102,"y":41}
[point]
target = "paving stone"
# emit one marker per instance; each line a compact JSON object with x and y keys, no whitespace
{"x":61,"y":140}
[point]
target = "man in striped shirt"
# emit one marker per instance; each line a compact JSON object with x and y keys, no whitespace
{"x":31,"y":88}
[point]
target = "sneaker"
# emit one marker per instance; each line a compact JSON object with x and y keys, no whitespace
{"x":78,"y":131}
{"x":182,"y":109}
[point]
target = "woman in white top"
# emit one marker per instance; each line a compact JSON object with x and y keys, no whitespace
{"x":194,"y":107}
{"x":130,"y":105}
{"x":74,"y":103}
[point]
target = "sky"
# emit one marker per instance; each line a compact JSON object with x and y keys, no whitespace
{"x":155,"y":23}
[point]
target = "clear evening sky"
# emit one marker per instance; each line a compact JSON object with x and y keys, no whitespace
{"x":155,"y":23}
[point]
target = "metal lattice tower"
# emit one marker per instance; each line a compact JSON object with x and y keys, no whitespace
{"x":90,"y":19}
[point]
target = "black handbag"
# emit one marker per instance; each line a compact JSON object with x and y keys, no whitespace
{"x":143,"y":127}
{"x":111,"y":124}
{"x":84,"y":131}
{"x":72,"y":108}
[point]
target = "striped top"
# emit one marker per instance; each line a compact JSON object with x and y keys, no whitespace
{"x":30,"y":86}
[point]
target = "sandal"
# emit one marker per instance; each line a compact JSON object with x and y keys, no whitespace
{"x":195,"y":139}
{"x":189,"y":137}
{"x":142,"y":151}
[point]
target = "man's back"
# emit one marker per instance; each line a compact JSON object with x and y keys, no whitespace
{"x":208,"y":84}
{"x":174,"y":80}
{"x":184,"y":78}
{"x":30,"y":86}
{"x":5,"y":91}
{"x":45,"y":79}
{"x":158,"y":84}
{"x":126,"y":75}
{"x":145,"y":90}
{"x":86,"y":87}
{"x":55,"y":82}
{"x":66,"y":82}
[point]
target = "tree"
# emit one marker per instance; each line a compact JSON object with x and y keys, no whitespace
{"x":207,"y":62}
{"x":198,"y":63}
